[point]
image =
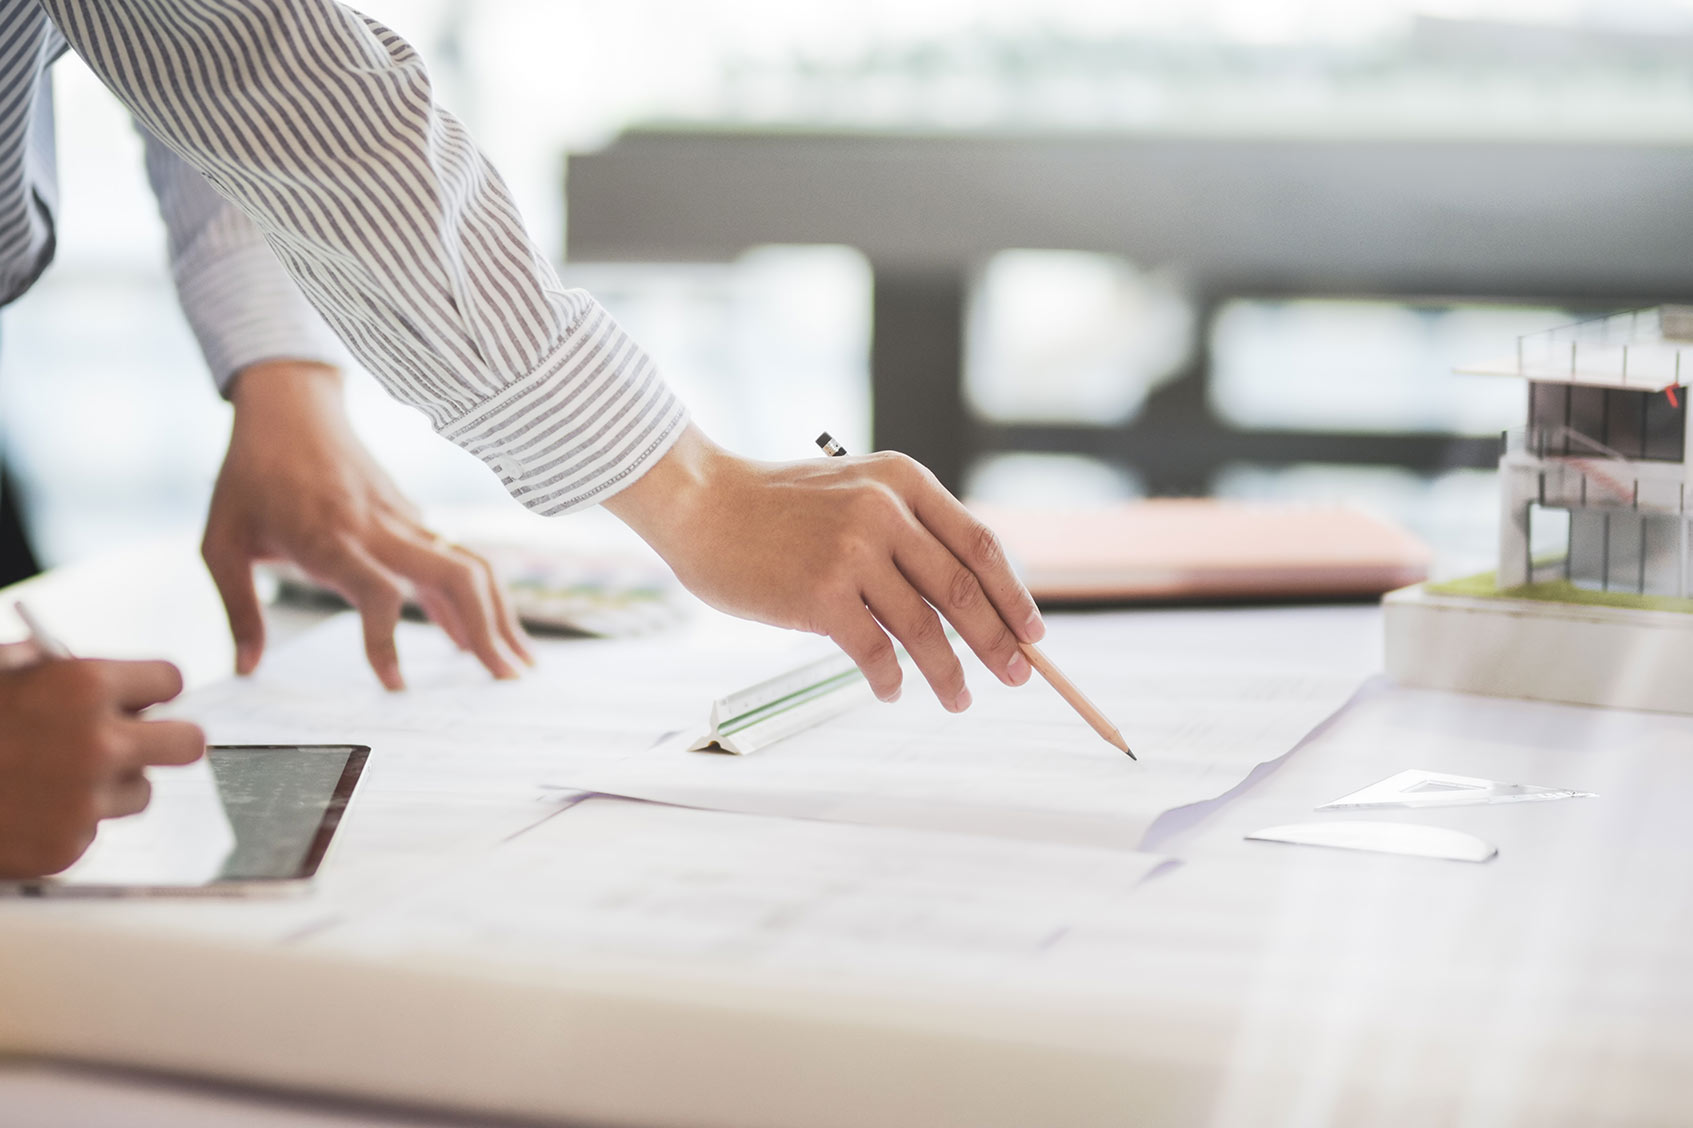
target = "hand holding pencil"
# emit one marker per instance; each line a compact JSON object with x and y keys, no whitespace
{"x":1043,"y":665}
{"x":864,"y":550}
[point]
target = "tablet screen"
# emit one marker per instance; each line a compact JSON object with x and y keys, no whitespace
{"x":243,"y":818}
{"x":284,"y":803}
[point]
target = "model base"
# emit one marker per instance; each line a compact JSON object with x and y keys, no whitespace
{"x":1614,"y":657}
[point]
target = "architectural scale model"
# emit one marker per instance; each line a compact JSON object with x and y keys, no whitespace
{"x":1600,"y":479}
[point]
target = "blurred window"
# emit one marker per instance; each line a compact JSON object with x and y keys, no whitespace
{"x":1065,"y":337}
{"x":1368,"y":366}
{"x":1036,"y":479}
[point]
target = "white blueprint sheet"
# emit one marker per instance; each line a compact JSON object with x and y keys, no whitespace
{"x":1201,"y":709}
{"x":452,"y":844}
{"x":612,"y":879}
{"x":1019,"y":763}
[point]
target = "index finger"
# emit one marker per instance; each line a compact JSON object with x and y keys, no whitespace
{"x":978,"y":549}
{"x":136,"y":685}
{"x":165,"y":743}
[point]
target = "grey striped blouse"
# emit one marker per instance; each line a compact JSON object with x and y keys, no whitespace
{"x":321,"y":126}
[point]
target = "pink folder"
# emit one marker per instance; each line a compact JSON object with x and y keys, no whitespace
{"x":1199,"y":549}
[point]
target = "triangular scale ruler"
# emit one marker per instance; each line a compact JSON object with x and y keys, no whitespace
{"x":1418,"y":788}
{"x":760,"y":715}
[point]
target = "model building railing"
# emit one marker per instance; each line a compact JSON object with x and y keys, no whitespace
{"x":1579,"y":472}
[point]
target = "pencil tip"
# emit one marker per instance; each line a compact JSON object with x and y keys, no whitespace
{"x":1124,"y":745}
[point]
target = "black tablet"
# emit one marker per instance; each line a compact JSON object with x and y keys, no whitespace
{"x":282,"y":804}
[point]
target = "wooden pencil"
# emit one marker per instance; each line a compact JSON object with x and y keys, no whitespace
{"x":1077,"y":699}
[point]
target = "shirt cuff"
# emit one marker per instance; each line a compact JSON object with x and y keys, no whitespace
{"x":586,"y":423}
{"x":244,"y":308}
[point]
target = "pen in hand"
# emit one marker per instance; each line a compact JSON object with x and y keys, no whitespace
{"x":44,"y":641}
{"x":1055,"y":677}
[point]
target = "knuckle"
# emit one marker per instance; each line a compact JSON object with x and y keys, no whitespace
{"x":985,"y":550}
{"x":319,"y":544}
{"x":1003,"y":644}
{"x":880,"y":652}
{"x":963,"y":592}
{"x":334,"y":511}
{"x":944,"y":675}
{"x":464,"y":582}
{"x":105,"y":749}
{"x":323,"y":552}
{"x":894,"y":465}
{"x":873,"y":502}
{"x":928,"y":632}
{"x":381,"y":596}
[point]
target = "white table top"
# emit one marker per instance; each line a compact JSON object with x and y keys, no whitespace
{"x":1548,"y":986}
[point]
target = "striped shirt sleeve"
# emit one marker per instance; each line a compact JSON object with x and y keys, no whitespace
{"x":241,"y":304}
{"x":321,"y":126}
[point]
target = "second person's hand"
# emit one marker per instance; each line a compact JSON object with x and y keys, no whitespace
{"x":298,"y":485}
{"x":72,"y":752}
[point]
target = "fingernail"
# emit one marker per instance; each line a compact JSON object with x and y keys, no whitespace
{"x":892,"y":696}
{"x":246,"y":658}
{"x":1035,"y":629}
{"x":1017,"y":670}
{"x":961,"y":702}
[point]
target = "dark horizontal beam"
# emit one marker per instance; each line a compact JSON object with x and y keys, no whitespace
{"x":1191,"y":455}
{"x":1598,"y":220}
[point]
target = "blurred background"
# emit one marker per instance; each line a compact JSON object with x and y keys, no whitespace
{"x":1066,"y":371}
